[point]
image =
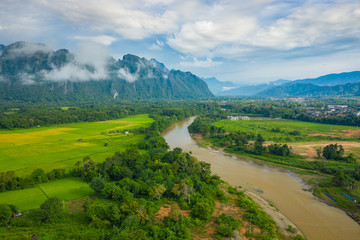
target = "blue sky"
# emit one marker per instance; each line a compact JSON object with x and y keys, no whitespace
{"x":233,"y":40}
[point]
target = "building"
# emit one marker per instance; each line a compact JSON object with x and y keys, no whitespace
{"x":235,"y":118}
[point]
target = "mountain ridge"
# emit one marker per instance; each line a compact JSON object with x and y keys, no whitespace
{"x":334,"y":84}
{"x":217,"y":86}
{"x":326,"y":85}
{"x":34,"y":72}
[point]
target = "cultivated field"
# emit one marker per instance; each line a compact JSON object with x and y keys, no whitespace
{"x":304,"y":137}
{"x":65,"y":189}
{"x":23,"y":150}
{"x":282,"y":130}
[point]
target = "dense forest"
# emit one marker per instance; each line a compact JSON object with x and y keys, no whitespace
{"x":30,"y":115}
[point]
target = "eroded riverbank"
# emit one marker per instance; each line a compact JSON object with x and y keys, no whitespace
{"x":314,"y":218}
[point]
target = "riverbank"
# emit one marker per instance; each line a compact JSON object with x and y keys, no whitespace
{"x":316,"y":182}
{"x":280,"y":219}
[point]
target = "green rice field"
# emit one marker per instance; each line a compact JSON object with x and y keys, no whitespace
{"x":61,"y":146}
{"x":282,"y":130}
{"x":64,"y":189}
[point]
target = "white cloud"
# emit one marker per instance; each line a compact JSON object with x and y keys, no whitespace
{"x":229,"y":30}
{"x":27,"y":79}
{"x":71,"y":72}
{"x":26,"y":48}
{"x":227,"y":88}
{"x":130,"y":19}
{"x":289,"y":26}
{"x":124,"y":73}
{"x":291,"y":69}
{"x":22,"y":20}
{"x":102,"y":39}
{"x":207,"y":63}
{"x":90,"y":63}
{"x":310,"y":26}
{"x":2,"y":79}
{"x":202,"y":37}
{"x":157,"y":46}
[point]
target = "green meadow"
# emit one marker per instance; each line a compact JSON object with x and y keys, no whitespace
{"x":282,"y":130}
{"x":30,"y":198}
{"x":61,"y":146}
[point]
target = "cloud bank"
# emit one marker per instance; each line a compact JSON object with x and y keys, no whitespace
{"x":237,"y":32}
{"x":90,"y":63}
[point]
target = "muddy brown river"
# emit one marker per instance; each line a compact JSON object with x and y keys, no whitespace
{"x":314,"y":218}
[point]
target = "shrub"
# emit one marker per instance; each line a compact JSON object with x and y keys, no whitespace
{"x":202,"y":210}
{"x":51,"y":209}
{"x":5,"y":214}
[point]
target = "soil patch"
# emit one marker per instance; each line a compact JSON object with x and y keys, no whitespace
{"x":308,"y":150}
{"x":164,"y":212}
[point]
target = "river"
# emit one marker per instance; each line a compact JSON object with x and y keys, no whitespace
{"x":315,"y":219}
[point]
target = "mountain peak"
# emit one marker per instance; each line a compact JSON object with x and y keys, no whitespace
{"x":33,"y":72}
{"x":158,"y":65}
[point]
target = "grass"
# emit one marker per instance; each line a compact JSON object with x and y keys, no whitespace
{"x":67,"y":108}
{"x":341,"y":200}
{"x":23,"y":150}
{"x":281,"y":130}
{"x":65,"y":189}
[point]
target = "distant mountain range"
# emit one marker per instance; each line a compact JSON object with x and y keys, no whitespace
{"x":311,"y":90}
{"x":217,"y":87}
{"x":33,"y":72}
{"x":341,"y":84}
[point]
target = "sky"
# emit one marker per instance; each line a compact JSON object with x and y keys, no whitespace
{"x":241,"y":41}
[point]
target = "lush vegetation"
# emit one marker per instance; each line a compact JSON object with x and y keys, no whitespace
{"x":281,"y":130}
{"x":67,"y":189}
{"x":240,"y":137}
{"x":130,"y":187}
{"x":336,"y":152}
{"x":153,"y":80}
{"x":250,"y":144}
{"x":23,"y":150}
{"x":124,"y":165}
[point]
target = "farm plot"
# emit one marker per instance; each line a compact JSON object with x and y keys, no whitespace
{"x":281,"y":130}
{"x":65,"y":189}
{"x":23,"y":150}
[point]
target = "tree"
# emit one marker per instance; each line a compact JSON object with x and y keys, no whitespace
{"x":350,"y":158}
{"x":157,"y":191}
{"x":318,"y":152}
{"x":174,"y":213}
{"x":51,"y":209}
{"x":183,"y":188}
{"x":37,"y":174}
{"x":143,"y":215}
{"x":5,"y":214}
{"x":260,"y":139}
{"x":333,"y":152}
{"x":202,"y":210}
{"x":343,"y":180}
{"x":97,"y":184}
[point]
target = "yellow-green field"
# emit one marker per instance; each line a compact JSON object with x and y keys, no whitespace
{"x":23,"y":150}
{"x":64,"y":189}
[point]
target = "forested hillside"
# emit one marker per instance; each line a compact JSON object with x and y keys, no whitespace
{"x":32,"y":72}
